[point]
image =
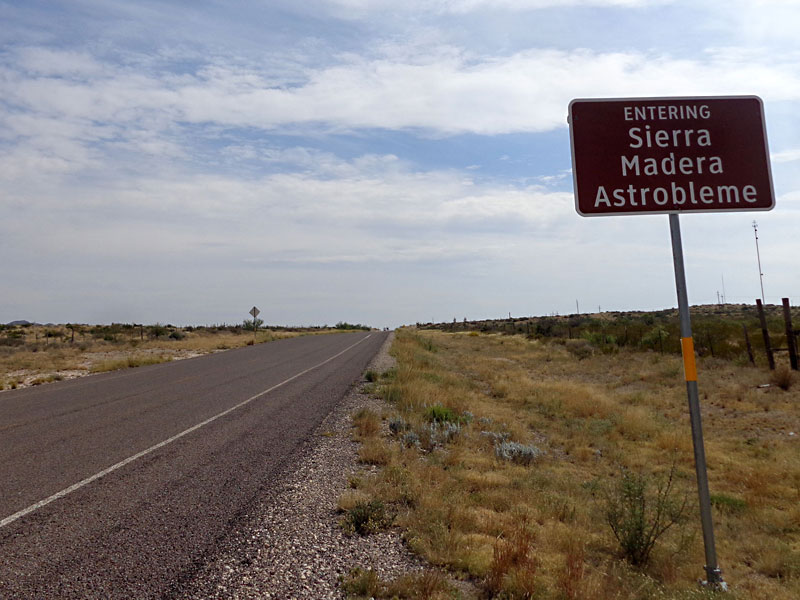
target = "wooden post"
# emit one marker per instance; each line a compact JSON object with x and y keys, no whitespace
{"x":787,"y":317}
{"x":749,"y":346}
{"x":765,"y":333}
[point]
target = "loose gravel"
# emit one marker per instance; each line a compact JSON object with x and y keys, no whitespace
{"x":293,"y":546}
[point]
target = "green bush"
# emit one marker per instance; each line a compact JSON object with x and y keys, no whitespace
{"x":366,"y":517}
{"x":727,"y":504}
{"x":440,"y":414}
{"x":638,"y":517}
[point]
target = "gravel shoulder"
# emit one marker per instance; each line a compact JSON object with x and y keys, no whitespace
{"x":292,"y":546}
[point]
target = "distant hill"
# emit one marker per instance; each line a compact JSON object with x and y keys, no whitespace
{"x":17,"y":323}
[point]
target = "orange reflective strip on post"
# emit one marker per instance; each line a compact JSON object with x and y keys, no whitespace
{"x":689,"y":366}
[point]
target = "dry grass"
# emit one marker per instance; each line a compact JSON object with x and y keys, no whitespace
{"x":539,"y":530}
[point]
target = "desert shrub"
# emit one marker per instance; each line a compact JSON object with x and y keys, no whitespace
{"x":442,"y":433}
{"x":516,"y":452}
{"x":782,"y":376}
{"x":410,"y":438}
{"x":177,"y":335}
{"x":638,"y":517}
{"x":580,"y":348}
{"x":366,"y":517}
{"x":350,"y":326}
{"x":398,"y":425}
{"x":362,"y":583}
{"x":440,"y":414}
{"x":158,"y":330}
{"x":371,"y":376}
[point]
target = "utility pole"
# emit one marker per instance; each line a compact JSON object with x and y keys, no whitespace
{"x":758,"y":255}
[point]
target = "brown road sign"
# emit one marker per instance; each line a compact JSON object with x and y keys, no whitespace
{"x":669,"y":155}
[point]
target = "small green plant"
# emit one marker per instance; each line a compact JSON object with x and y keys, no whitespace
{"x":440,"y":414}
{"x":728,"y":504}
{"x":425,"y":585}
{"x":371,"y":376}
{"x":366,"y":517}
{"x":362,"y":583}
{"x":638,"y":517}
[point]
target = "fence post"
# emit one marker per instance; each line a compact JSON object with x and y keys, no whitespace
{"x":787,"y":317}
{"x":765,"y":333}
{"x":749,"y":346}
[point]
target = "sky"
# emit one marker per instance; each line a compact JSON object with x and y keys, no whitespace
{"x":368,"y":161}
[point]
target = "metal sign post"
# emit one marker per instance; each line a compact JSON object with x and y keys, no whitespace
{"x":255,"y":312}
{"x":713,"y":572}
{"x":635,"y":156}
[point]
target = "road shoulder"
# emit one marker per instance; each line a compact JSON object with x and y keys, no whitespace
{"x":293,"y":546}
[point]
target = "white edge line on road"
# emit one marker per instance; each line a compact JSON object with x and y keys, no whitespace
{"x":66,"y":491}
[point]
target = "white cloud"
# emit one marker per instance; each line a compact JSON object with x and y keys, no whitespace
{"x":449,"y":92}
{"x":790,"y":155}
{"x":466,"y":6}
{"x":375,"y":210}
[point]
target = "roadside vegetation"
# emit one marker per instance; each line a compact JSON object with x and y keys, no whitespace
{"x":36,"y":354}
{"x":540,"y":466}
{"x":719,"y":330}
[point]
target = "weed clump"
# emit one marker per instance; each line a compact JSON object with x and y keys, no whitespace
{"x":367,"y":423}
{"x":728,"y":504}
{"x":411,"y":439}
{"x":366,"y":517}
{"x":580,"y":348}
{"x":398,"y":425}
{"x":427,"y":585}
{"x":442,"y":433}
{"x":518,"y":453}
{"x":513,"y":568}
{"x":782,"y":377}
{"x":440,"y":414}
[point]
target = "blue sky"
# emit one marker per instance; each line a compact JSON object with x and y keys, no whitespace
{"x":370,"y":161}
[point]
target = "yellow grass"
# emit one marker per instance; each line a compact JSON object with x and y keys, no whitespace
{"x":463,"y":507}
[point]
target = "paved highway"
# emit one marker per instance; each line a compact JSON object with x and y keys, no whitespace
{"x":122,"y":485}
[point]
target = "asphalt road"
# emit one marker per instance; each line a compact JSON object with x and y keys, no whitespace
{"x":123,"y":485}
